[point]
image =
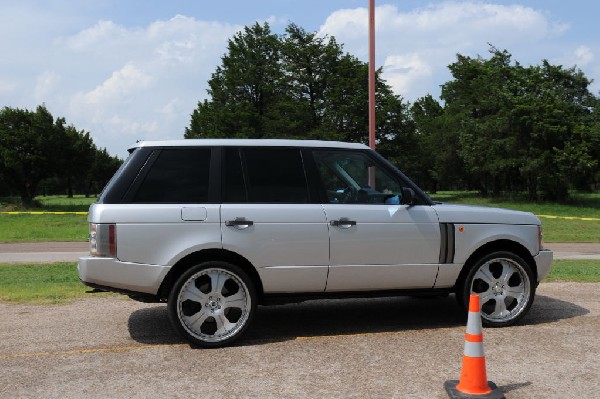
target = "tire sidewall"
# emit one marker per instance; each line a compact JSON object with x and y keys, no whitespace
{"x":465,"y":289}
{"x":172,"y":303}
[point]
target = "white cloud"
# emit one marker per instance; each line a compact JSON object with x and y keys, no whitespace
{"x":122,"y":82}
{"x":119,"y":83}
{"x":274,"y":20}
{"x":415,"y":47}
{"x":97,"y":35}
{"x":583,"y":56}
{"x":46,"y":83}
{"x":404,"y":72}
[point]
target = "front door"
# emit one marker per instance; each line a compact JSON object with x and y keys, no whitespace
{"x":376,"y":241}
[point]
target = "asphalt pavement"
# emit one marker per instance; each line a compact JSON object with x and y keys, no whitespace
{"x":112,"y":347}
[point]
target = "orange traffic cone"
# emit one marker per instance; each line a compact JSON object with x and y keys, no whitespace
{"x":473,"y":377}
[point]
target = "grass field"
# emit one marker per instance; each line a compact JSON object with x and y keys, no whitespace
{"x":40,"y":284}
{"x":580,"y":205}
{"x":53,"y":203}
{"x":581,"y":271}
{"x":58,"y":282}
{"x":555,"y":230}
{"x":35,"y":228}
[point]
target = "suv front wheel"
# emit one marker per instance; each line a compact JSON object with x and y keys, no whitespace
{"x":506,"y":288}
{"x":212,"y":304}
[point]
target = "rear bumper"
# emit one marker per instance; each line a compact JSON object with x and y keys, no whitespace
{"x":122,"y":276}
{"x":543,"y":261}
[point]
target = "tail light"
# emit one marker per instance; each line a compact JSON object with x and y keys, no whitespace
{"x":103,"y":240}
{"x":540,"y":238}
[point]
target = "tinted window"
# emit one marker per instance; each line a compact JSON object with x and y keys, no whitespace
{"x":234,"y":186}
{"x":118,"y":185}
{"x":270,"y":175}
{"x":177,"y":176}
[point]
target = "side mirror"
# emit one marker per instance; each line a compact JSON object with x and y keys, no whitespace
{"x":408,"y":196}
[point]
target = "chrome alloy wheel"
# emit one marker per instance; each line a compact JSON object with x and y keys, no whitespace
{"x":213,"y":305}
{"x":504,"y":289}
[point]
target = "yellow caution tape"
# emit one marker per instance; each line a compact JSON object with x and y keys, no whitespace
{"x":567,"y":217}
{"x":43,"y":213}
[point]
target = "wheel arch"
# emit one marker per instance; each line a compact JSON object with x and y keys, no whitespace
{"x":495,"y":246}
{"x":208,"y":255}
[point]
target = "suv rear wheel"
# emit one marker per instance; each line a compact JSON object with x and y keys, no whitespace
{"x":212,"y":304}
{"x":506,"y":288}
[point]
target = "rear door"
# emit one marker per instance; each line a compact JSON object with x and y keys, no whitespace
{"x":270,"y":217}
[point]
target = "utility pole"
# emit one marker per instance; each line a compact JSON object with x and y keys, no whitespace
{"x":372,"y":74}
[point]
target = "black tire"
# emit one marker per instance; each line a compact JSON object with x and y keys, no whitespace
{"x":506,"y":288}
{"x":212,"y":304}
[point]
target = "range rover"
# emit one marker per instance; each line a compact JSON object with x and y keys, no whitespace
{"x":217,"y":227}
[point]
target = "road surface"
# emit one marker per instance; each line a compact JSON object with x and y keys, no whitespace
{"x":112,"y":347}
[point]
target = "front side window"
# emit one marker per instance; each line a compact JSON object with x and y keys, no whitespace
{"x":265,"y":175}
{"x":177,"y":176}
{"x":352,"y":177}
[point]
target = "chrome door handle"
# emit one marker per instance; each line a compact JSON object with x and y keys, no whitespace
{"x":239,"y":223}
{"x":343,"y":223}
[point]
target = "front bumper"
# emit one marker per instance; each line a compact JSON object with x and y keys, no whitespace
{"x":543,"y":261}
{"x":123,"y":276}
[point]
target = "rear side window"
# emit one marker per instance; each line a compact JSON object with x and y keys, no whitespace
{"x":270,"y":175}
{"x":177,"y":176}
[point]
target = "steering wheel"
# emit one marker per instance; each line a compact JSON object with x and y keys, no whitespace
{"x":349,"y":195}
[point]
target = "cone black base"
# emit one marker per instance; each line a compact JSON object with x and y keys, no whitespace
{"x":450,"y":387}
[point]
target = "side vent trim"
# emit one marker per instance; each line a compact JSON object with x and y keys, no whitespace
{"x":447,"y":243}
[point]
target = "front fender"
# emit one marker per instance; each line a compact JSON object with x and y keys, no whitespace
{"x":470,"y":237}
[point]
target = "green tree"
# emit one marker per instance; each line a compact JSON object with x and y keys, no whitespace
{"x":310,"y":66}
{"x":77,"y":154}
{"x":313,"y":90}
{"x":520,"y":128}
{"x":594,"y":144}
{"x":37,"y":150}
{"x":553,"y":118}
{"x":243,"y":89}
{"x":102,"y":167}
{"x":439,"y":156}
{"x":28,"y":149}
{"x":478,"y":100}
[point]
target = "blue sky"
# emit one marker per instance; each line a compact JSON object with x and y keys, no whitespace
{"x":126,"y":70}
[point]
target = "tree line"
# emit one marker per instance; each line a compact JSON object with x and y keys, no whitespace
{"x":499,"y":127}
{"x":43,"y":155}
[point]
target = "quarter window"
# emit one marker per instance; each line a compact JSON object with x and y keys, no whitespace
{"x":177,"y":176}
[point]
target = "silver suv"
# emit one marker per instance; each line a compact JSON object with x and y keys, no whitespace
{"x":217,"y":227}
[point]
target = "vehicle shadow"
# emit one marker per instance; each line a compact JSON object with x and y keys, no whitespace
{"x":548,"y":310}
{"x":344,"y":317}
{"x":151,"y":326}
